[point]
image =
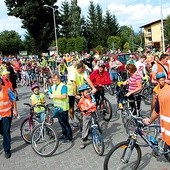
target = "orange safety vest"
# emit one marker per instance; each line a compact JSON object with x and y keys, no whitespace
{"x":7,"y":82}
{"x":164,"y":106}
{"x":161,"y":69}
{"x":5,"y":103}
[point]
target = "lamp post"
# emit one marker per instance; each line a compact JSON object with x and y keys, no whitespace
{"x":162,"y":29}
{"x":55,"y":32}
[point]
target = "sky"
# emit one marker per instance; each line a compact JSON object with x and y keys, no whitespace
{"x":133,"y":13}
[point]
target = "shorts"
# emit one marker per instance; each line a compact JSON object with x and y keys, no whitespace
{"x":71,"y":101}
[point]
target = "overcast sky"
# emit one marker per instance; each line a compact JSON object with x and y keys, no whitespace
{"x":133,"y":13}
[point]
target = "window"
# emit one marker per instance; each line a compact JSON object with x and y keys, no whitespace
{"x":149,"y":30}
{"x":150,"y":39}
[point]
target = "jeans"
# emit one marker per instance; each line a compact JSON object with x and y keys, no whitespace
{"x":65,"y":126}
{"x":5,"y":125}
{"x":113,"y":76}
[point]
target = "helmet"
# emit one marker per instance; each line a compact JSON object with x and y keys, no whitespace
{"x":83,"y":87}
{"x":101,"y":64}
{"x":34,"y":86}
{"x":160,"y":75}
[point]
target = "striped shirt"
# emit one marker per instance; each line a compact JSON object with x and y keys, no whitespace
{"x":133,"y":81}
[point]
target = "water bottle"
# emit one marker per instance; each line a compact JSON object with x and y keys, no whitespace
{"x":152,"y":140}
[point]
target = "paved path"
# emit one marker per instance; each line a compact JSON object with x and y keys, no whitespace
{"x":70,"y":156}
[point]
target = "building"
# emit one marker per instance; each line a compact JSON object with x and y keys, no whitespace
{"x":153,"y":34}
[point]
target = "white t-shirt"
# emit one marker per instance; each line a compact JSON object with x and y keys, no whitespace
{"x":140,"y":67}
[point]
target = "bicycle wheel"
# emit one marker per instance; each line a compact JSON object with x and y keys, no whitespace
{"x":26,"y":129}
{"x":107,"y":110}
{"x":123,"y":156}
{"x":167,"y":149}
{"x":147,"y":95}
{"x":98,"y":143}
{"x":44,"y":140}
{"x":151,"y":130}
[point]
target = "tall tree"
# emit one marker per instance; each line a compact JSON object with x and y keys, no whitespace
{"x":167,"y":30}
{"x":66,"y":22}
{"x":10,"y":43}
{"x":99,"y":19}
{"x":75,"y":19}
{"x":92,"y":24}
{"x":36,"y":19}
{"x":111,"y":26}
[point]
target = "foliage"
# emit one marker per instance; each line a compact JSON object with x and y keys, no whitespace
{"x":10,"y":42}
{"x":71,"y":44}
{"x":126,"y":47}
{"x":62,"y":45}
{"x":113,"y":39}
{"x":80,"y":44}
{"x":167,"y":30}
{"x":99,"y":48}
{"x":36,"y":19}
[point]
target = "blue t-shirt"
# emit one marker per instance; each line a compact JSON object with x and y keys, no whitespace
{"x":63,"y":89}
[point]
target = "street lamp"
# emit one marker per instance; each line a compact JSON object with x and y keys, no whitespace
{"x":56,"y":43}
{"x":162,"y":29}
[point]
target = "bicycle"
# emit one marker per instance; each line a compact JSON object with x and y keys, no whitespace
{"x":44,"y":138}
{"x":130,"y":147}
{"x":28,"y":124}
{"x":31,"y":121}
{"x":104,"y":107}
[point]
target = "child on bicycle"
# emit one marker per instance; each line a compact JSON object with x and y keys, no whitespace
{"x":38,"y":98}
{"x":86,"y":105}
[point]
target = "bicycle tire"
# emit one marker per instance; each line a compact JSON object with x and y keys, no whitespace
{"x":107,"y":111}
{"x":147,"y":96}
{"x":39,"y":143}
{"x":27,"y":136}
{"x":167,"y":155}
{"x":148,"y":130}
{"x":97,"y":140}
{"x":124,"y":146}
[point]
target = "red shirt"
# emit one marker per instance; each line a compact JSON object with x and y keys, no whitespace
{"x":99,"y":79}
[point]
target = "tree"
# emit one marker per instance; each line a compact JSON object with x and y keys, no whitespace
{"x":126,"y":47}
{"x":75,"y":12}
{"x":111,"y":27}
{"x":125,"y":33}
{"x":167,"y":30}
{"x":29,"y":44}
{"x":80,"y":44}
{"x":71,"y":44}
{"x":62,"y":45}
{"x":36,"y":19}
{"x":113,"y":41}
{"x":92,"y":25}
{"x":66,"y":22}
{"x":10,"y":43}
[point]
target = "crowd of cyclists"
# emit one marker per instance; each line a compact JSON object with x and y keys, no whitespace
{"x":73,"y":77}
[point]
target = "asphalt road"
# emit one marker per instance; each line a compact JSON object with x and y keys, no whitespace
{"x":70,"y":156}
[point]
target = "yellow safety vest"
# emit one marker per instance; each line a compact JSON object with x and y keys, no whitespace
{"x":38,"y":99}
{"x":79,"y":79}
{"x":62,"y":103}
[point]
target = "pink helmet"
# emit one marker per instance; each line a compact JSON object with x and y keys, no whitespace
{"x":34,"y":86}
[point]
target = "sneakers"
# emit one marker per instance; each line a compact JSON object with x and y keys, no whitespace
{"x":82,"y":145}
{"x":66,"y":141}
{"x":7,"y":155}
{"x":62,"y":137}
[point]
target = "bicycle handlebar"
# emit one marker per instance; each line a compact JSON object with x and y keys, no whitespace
{"x":40,"y":105}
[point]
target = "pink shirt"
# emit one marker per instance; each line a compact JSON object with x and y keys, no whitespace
{"x":133,"y":81}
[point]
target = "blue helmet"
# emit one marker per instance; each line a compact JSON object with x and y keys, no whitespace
{"x":160,"y":75}
{"x":83,"y":87}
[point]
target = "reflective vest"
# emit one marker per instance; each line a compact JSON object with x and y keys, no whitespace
{"x":7,"y":82}
{"x":164,"y":105}
{"x":5,"y":103}
{"x":69,"y":82}
{"x":157,"y":88}
{"x":35,"y":99}
{"x":62,"y":103}
{"x":79,"y":79}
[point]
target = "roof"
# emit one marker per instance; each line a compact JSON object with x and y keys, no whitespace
{"x":151,"y":23}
